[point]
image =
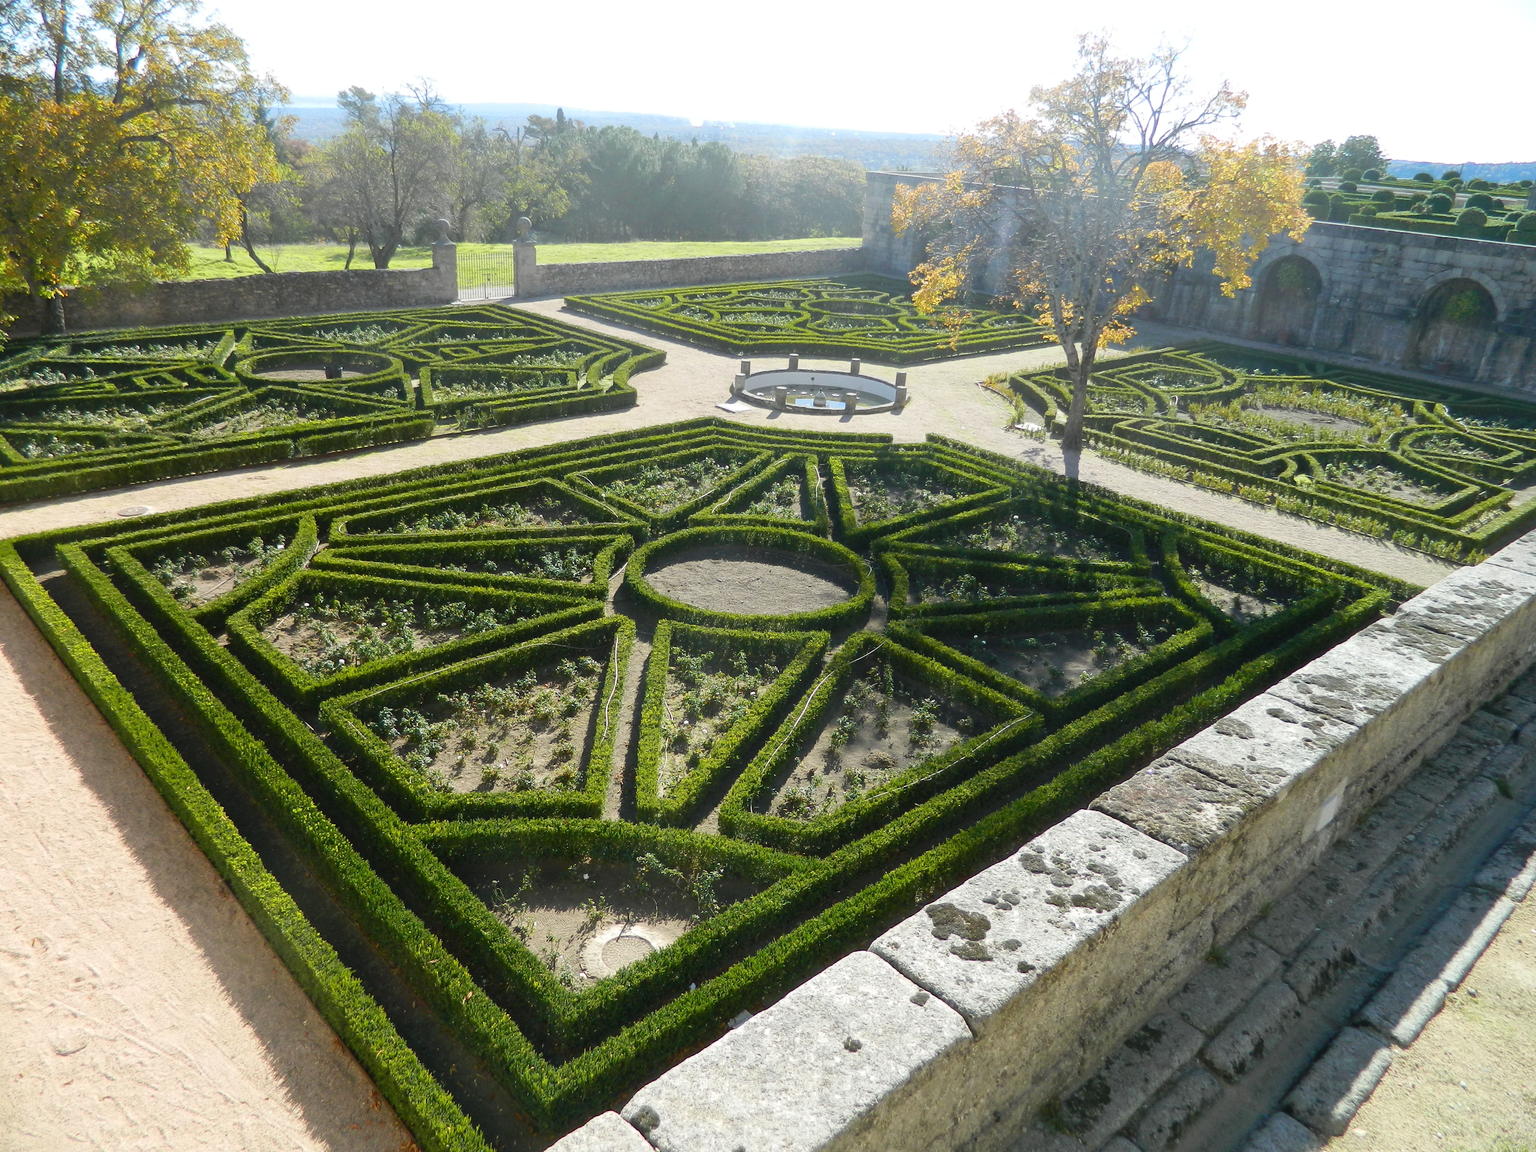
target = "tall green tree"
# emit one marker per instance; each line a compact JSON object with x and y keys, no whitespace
{"x":1090,"y":202}
{"x":1361,"y":152}
{"x":123,"y":123}
{"x":389,"y":169}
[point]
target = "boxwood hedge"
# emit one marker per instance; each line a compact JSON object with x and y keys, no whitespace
{"x":449,"y":916}
{"x":862,"y":315}
{"x":110,"y":408}
{"x":1428,"y":467}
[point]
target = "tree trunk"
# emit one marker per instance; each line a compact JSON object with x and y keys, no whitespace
{"x":351,"y":251}
{"x":1072,"y":435}
{"x":53,"y":316}
{"x":247,"y":243}
{"x":229,"y":254}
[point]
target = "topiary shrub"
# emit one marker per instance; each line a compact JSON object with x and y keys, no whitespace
{"x":1314,"y":182}
{"x":1526,"y":224}
{"x":1471,"y":220}
{"x":1348,"y":186}
{"x":1418,"y":198}
{"x":1439,"y":202}
{"x":1383,"y":197}
{"x":1478,"y":185}
{"x":1371,"y":174}
{"x":1451,"y":174}
{"x":1424,"y":176}
{"x":1316,"y":199}
{"x":1482,"y":201}
{"x":1351,"y":174}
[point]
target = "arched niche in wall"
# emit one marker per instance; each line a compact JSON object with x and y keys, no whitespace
{"x":1453,"y":327}
{"x":1287,"y":306}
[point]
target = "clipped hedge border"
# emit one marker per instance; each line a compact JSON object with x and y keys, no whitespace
{"x":414,"y":796}
{"x":382,"y":407}
{"x":822,"y":833}
{"x":909,"y":344}
{"x":768,"y":708}
{"x":423,"y":562}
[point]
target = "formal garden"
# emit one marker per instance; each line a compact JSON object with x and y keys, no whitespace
{"x":856,"y":315}
{"x":112,"y":408}
{"x":1435,"y":468}
{"x":539,"y":771}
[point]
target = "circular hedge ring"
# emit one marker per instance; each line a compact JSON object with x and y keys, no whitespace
{"x":738,"y":568}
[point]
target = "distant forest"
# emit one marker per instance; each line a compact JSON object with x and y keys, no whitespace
{"x":870,"y":150}
{"x":1506,"y":173}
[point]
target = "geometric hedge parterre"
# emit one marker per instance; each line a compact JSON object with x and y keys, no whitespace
{"x":855,"y":315}
{"x":1430,"y":467}
{"x":115,"y":408}
{"x":538,"y":771}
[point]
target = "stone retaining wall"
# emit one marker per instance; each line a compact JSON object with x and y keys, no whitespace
{"x":536,"y":280}
{"x":959,"y":1024}
{"x":248,"y":297}
{"x":1372,"y":298}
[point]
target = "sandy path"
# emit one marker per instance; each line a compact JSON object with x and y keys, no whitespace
{"x":142,"y":1008}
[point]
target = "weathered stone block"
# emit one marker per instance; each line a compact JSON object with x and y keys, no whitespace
{"x":1225,"y":983}
{"x":1329,"y":1095}
{"x":1319,"y":965}
{"x":1169,"y":1117}
{"x":1262,"y":1021}
{"x":986,"y":941}
{"x":1106,"y":1101}
{"x":1062,"y":948}
{"x":1283,"y":1133}
{"x":1177,"y":804}
{"x":807,"y":1072}
{"x":606,"y":1133}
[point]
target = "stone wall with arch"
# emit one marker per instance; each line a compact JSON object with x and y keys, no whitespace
{"x":1377,"y":295}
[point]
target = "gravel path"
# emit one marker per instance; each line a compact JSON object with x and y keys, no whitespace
{"x":142,"y":1009}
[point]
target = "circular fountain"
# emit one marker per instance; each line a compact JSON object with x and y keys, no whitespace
{"x":825,"y":391}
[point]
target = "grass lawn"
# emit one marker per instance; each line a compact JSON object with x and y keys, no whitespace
{"x":208,"y":262}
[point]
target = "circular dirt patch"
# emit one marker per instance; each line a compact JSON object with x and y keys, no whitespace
{"x":749,"y":581}
{"x":315,"y":365}
{"x":617,"y":946}
{"x":624,"y":950}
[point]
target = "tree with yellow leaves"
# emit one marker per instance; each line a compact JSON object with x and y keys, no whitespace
{"x":1083,"y":209}
{"x":122,"y":126}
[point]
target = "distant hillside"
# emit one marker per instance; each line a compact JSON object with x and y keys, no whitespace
{"x":1505,"y":173}
{"x":871,"y":149}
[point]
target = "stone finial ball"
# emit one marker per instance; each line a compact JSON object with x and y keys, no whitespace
{"x":441,"y":229}
{"x":524,"y":226}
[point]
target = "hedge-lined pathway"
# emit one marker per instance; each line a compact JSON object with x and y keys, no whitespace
{"x":946,"y":400}
{"x":143,"y":1010}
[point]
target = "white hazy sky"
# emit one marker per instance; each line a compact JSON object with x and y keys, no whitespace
{"x":1431,"y":82}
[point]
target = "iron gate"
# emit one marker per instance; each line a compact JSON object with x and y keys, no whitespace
{"x":485,"y":275}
